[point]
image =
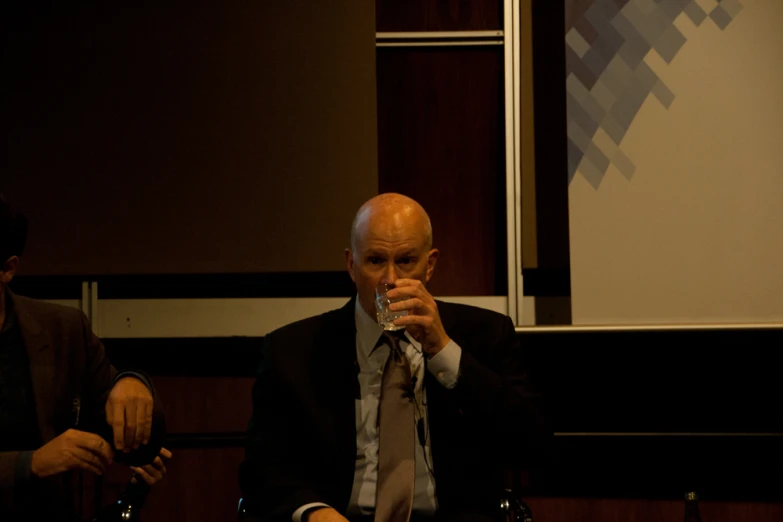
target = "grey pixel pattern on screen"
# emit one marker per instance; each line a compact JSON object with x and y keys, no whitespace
{"x":607,"y":79}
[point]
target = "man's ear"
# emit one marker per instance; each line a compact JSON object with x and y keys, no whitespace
{"x":349,"y":263}
{"x":432,"y":259}
{"x":9,"y":269}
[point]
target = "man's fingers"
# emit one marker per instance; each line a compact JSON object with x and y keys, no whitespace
{"x":407,"y":283}
{"x":118,"y":424}
{"x":148,"y":409}
{"x":149,"y":479}
{"x":405,"y":291}
{"x":166,"y":454}
{"x":159,"y":465}
{"x":424,"y":321}
{"x":141,"y":425}
{"x":87,"y":466}
{"x":94,"y":446}
{"x":408,"y":304}
{"x":130,"y":425}
{"x":87,"y":460}
{"x":154,"y":472}
{"x":109,"y":412}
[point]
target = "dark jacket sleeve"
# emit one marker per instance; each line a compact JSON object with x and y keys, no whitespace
{"x":100,"y":378}
{"x":493,"y":391}
{"x":273,"y":476}
{"x":14,"y":476}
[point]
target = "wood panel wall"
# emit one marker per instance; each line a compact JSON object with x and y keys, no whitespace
{"x":441,"y":142}
{"x":438,"y":15}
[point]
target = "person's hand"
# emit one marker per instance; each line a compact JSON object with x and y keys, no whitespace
{"x":325,"y":515}
{"x":423,"y":320}
{"x":129,"y":412}
{"x":72,"y":450}
{"x":152,"y":473}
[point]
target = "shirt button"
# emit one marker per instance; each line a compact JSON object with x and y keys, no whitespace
{"x":441,"y":375}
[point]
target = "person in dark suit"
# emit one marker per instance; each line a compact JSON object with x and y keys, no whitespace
{"x":63,"y":406}
{"x":316,"y":448}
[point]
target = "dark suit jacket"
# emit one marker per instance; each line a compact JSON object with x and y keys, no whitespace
{"x":67,"y":361}
{"x":302,"y":436}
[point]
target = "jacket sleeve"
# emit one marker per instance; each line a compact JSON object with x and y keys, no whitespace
{"x":100,"y":378}
{"x":494,"y":390}
{"x":14,"y":476}
{"x":272,"y":477}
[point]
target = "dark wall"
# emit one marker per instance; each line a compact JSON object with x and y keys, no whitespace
{"x":438,"y":15}
{"x":441,"y":141}
{"x":197,"y":138}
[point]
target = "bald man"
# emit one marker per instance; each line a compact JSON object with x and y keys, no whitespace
{"x":314,"y":437}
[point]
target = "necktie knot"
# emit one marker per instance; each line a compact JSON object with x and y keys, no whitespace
{"x":393,"y":339}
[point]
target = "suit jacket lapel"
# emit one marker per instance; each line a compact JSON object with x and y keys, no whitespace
{"x":348,"y":371}
{"x":338,"y":364}
{"x":42,"y":367}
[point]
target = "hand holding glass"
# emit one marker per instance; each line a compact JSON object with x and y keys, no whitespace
{"x":385,"y":316}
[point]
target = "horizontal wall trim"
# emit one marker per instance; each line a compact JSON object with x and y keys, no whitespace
{"x":648,"y":328}
{"x":183,"y":318}
{"x":448,"y":35}
{"x":237,"y":438}
{"x":669,"y":434}
{"x":455,"y":43}
{"x":188,"y":286}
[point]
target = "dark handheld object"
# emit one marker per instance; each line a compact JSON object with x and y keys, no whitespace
{"x":692,"y":507}
{"x":128,"y":507}
{"x":146,"y":452}
{"x":513,"y":509}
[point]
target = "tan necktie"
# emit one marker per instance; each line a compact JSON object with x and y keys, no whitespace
{"x":396,"y":450}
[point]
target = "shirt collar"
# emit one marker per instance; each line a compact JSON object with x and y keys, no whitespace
{"x":368,"y":331}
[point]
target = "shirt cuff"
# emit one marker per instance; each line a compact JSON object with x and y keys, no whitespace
{"x":444,"y":365}
{"x":299,"y":513}
{"x":23,"y":469}
{"x":25,"y":482}
{"x":140,"y":376}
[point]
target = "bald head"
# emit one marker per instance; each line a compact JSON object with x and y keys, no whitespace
{"x":391,"y":239}
{"x":390,"y":215}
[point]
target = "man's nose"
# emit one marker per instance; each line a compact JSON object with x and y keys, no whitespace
{"x":390,"y":274}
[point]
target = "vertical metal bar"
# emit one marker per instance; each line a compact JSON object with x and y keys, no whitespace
{"x":510,"y":88}
{"x":516,"y":46}
{"x":528,"y":243}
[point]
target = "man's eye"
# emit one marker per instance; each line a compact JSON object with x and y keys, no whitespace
{"x":375,"y":260}
{"x":405,"y":261}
